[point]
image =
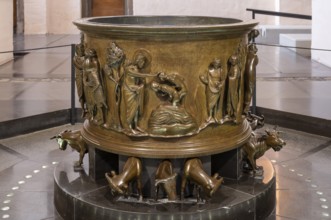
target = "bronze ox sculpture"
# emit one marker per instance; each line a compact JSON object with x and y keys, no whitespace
{"x":257,"y":146}
{"x":166,"y":178}
{"x":120,"y":183}
{"x":75,"y":140}
{"x":194,"y":172}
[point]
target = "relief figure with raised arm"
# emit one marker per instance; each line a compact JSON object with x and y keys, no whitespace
{"x":133,"y":91}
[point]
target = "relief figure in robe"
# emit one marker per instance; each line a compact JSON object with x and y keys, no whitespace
{"x":113,"y":71}
{"x":93,"y":87}
{"x":250,"y":75}
{"x":215,"y":84}
{"x":78,"y":63}
{"x":233,"y":89}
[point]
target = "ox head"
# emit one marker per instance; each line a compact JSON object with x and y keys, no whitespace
{"x":61,"y":140}
{"x":213,"y":185}
{"x":273,"y":140}
{"x":116,"y":184}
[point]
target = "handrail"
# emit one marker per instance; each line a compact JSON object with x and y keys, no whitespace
{"x":72,"y":75}
{"x":276,"y":13}
{"x":32,"y":49}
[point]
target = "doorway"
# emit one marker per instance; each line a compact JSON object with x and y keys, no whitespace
{"x":91,"y":8}
{"x":108,"y":7}
{"x":18,"y":16}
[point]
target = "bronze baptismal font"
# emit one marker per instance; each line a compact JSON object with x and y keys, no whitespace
{"x":168,"y":128}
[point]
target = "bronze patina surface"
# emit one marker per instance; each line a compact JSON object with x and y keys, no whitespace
{"x":75,"y":141}
{"x":213,"y":140}
{"x":179,"y":85}
{"x":166,"y":101}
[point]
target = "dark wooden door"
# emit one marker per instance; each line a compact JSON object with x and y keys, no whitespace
{"x":14,"y":15}
{"x":107,"y":7}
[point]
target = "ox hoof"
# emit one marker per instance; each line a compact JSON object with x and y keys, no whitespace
{"x":258,"y":174}
{"x":78,"y":166}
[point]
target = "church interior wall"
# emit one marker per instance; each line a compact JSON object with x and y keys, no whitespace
{"x":321,"y":31}
{"x":35,"y":20}
{"x":51,"y":17}
{"x":233,"y":9}
{"x":6,"y":30}
{"x":60,"y":14}
{"x":297,"y":7}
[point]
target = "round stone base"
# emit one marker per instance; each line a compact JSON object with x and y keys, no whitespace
{"x":77,"y":196}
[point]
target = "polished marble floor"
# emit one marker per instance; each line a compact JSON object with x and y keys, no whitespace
{"x":39,"y":82}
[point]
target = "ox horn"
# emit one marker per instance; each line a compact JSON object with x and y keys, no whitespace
{"x":56,"y":136}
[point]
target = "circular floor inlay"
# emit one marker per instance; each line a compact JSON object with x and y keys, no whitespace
{"x":5,"y":208}
{"x":325,"y":214}
{"x":10,"y":194}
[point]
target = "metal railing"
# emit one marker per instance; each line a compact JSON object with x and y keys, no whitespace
{"x":277,"y":13}
{"x":72,"y":75}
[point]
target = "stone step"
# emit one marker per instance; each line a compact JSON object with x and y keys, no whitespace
{"x":297,"y":40}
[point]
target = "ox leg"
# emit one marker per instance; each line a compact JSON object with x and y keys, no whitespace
{"x":78,"y":164}
{"x":258,"y":171}
{"x":139,"y":188}
{"x":157,"y":192}
{"x":81,"y":157}
{"x":198,"y":191}
{"x":182,"y":190}
{"x":252,"y":162}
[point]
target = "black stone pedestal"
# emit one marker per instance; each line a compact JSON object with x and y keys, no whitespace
{"x":79,"y":197}
{"x":227,"y":165}
{"x":101,"y":162}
